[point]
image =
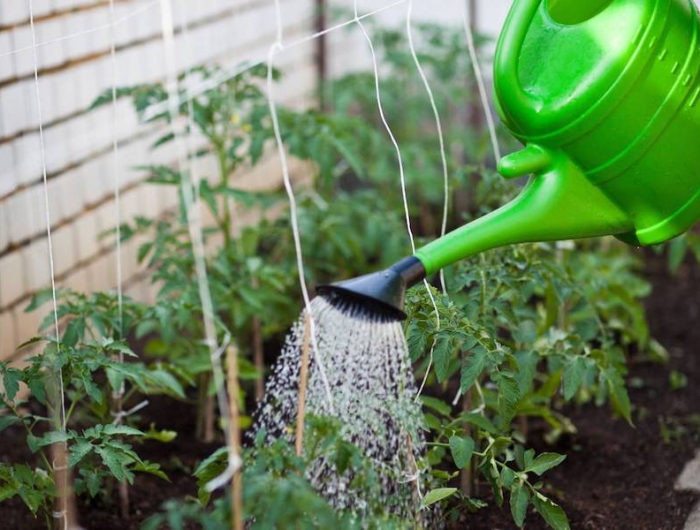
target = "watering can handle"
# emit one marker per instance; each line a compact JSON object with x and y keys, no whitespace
{"x":511,"y":95}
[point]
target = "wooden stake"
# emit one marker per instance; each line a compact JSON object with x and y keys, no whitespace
{"x":235,"y":437}
{"x":65,"y":513}
{"x":303,"y":382}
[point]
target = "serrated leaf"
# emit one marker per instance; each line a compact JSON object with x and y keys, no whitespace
{"x":52,"y":438}
{"x":462,"y":450}
{"x":519,"y":500}
{"x":573,"y":376}
{"x":472,"y":369}
{"x":545,"y":462}
{"x":508,"y":398}
{"x":115,"y":462}
{"x":11,"y":380}
{"x":551,"y":512}
{"x":480,"y":421}
{"x":74,"y":332}
{"x":122,"y":430}
{"x":437,"y":495}
{"x":39,"y":299}
{"x":437,"y":405}
{"x":442,"y":355}
{"x":78,"y":451}
{"x":618,"y":394}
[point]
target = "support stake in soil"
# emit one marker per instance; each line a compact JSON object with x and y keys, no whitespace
{"x":303,"y":382}
{"x":235,"y":437}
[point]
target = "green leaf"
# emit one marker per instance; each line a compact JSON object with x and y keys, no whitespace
{"x":437,"y":405}
{"x":78,"y":451}
{"x":678,"y":248}
{"x":122,"y":430}
{"x":462,"y":450}
{"x":39,"y":299}
{"x":52,"y":437}
{"x":115,"y":462}
{"x":550,"y":512}
{"x":508,"y":398}
{"x":472,"y":369}
{"x":437,"y":495}
{"x":11,"y":380}
{"x":573,"y":376}
{"x":618,"y":394}
{"x":74,"y":332}
{"x":545,"y":462}
{"x":163,"y":436}
{"x":152,"y":469}
{"x":442,"y":355}
{"x":166,"y":381}
{"x":519,"y":499}
{"x":480,"y":421}
{"x":6,"y":420}
{"x":526,"y":332}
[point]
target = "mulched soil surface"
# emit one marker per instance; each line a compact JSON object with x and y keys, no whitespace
{"x":615,"y":478}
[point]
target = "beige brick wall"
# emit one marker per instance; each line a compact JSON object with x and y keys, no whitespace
{"x":74,"y":67}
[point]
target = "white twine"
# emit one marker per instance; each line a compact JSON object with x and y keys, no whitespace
{"x":193,"y":211}
{"x":276,"y":47}
{"x":101,"y":27}
{"x":115,"y":174}
{"x":438,"y":123}
{"x":466,"y":19}
{"x":200,"y":88}
{"x":402,"y":175}
{"x":42,"y":148}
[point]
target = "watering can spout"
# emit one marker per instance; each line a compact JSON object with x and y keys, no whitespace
{"x":559,"y":203}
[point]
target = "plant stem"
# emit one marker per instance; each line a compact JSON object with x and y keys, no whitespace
{"x":235,"y":437}
{"x":303,"y":381}
{"x":258,"y":352}
{"x":258,"y":358}
{"x":466,"y":475}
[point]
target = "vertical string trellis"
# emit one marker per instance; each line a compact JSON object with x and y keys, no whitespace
{"x":467,"y":23}
{"x":278,"y":46}
{"x":60,"y":471}
{"x":193,"y":214}
{"x":402,"y":175}
{"x":438,"y":124}
{"x":115,"y":172}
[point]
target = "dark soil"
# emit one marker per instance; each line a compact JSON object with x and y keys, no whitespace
{"x":615,"y":478}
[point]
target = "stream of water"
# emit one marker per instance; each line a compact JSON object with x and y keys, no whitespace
{"x":366,"y":362}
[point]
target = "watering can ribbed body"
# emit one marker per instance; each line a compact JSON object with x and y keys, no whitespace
{"x":605,"y":95}
{"x":618,"y":91}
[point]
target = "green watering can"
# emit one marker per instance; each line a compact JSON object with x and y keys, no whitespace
{"x":605,"y":96}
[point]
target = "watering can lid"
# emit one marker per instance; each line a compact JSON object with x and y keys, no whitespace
{"x":556,"y":59}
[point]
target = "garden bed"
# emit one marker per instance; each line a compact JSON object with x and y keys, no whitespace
{"x":616,"y":477}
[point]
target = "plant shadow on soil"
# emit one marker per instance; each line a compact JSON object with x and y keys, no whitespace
{"x":615,"y":477}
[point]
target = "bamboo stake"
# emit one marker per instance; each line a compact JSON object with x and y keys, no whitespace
{"x":303,"y":382}
{"x":64,"y":507}
{"x":235,"y":437}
